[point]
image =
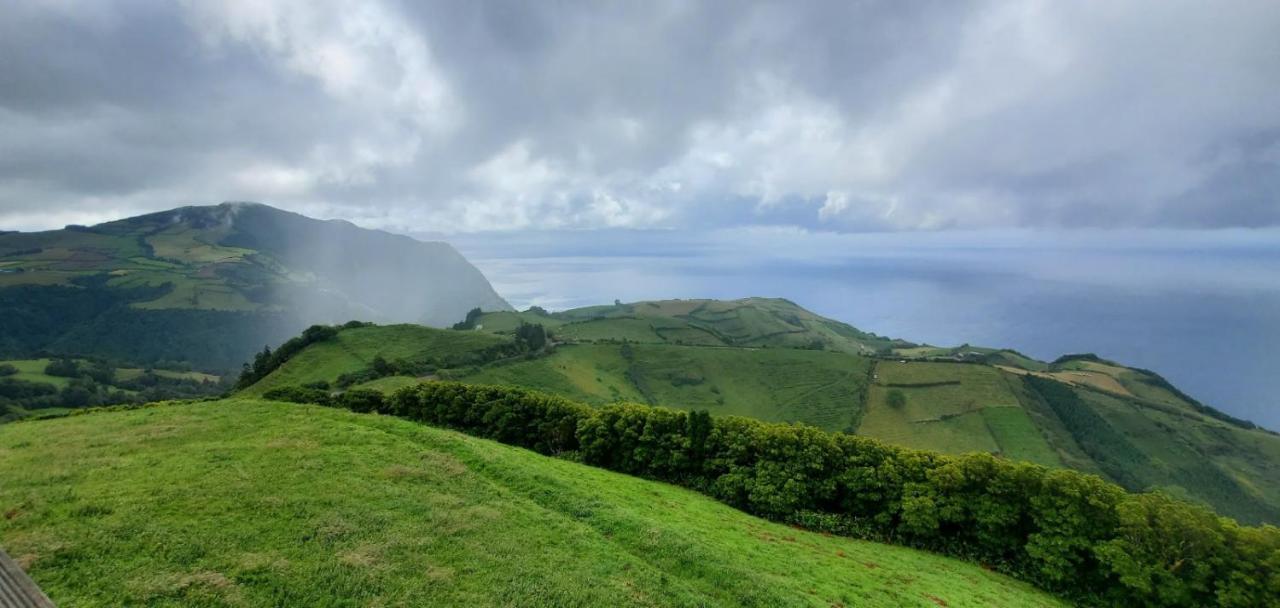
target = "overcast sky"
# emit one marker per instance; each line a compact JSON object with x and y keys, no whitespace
{"x":465,"y":116}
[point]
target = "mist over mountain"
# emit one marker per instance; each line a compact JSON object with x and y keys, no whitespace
{"x":211,"y":284}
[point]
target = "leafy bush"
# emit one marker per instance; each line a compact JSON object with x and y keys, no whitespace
{"x":896,"y":399}
{"x":1065,"y":531}
{"x":361,"y":400}
{"x":7,"y":370}
{"x":66,"y":368}
{"x":531,"y":336}
{"x":298,"y":394}
{"x":473,"y":315}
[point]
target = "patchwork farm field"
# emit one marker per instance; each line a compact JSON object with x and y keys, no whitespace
{"x":246,"y":502}
{"x":32,"y":370}
{"x":952,"y":408}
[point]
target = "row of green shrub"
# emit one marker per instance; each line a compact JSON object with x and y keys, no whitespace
{"x":1065,"y":531}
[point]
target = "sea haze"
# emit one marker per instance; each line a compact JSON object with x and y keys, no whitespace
{"x":1201,"y":308}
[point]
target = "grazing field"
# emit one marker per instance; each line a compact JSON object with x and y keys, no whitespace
{"x":353,"y":350}
{"x":251,"y":503}
{"x":953,"y":408}
{"x":824,"y":389}
{"x":1017,"y":436}
{"x":32,"y":370}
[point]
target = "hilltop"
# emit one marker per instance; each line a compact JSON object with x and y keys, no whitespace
{"x":248,"y":502}
{"x":212,"y":284}
{"x":1127,"y":425}
{"x":749,"y":322}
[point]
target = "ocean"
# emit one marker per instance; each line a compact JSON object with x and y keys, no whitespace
{"x":1202,"y":308}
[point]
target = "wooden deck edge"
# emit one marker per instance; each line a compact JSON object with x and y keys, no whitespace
{"x":17,"y":590}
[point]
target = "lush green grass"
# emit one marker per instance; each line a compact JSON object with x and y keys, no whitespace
{"x":249,"y":503}
{"x":354,"y":349}
{"x":32,"y":370}
{"x":1017,"y":436}
{"x":782,"y":385}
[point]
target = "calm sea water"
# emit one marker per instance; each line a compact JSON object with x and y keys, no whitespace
{"x":1200,"y":308}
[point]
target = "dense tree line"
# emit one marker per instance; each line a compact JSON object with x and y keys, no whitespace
{"x":469,"y":322}
{"x":92,"y":319}
{"x":1065,"y":531}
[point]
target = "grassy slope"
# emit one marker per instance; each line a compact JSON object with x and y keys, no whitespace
{"x":1167,"y":442}
{"x":245,"y":502}
{"x":782,"y":385}
{"x":1198,"y":458}
{"x":354,"y":350}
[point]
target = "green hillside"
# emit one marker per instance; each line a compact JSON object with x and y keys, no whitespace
{"x":1081,"y":412}
{"x":353,"y":350}
{"x":244,"y":503}
{"x":209,"y":285}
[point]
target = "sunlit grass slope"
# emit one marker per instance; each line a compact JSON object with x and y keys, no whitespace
{"x":248,"y":503}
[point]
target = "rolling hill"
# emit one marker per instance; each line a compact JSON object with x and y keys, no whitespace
{"x":750,"y":322}
{"x":1081,"y":412}
{"x":250,"y":502}
{"x":210,"y":285}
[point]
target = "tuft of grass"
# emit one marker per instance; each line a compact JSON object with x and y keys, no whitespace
{"x":250,"y":503}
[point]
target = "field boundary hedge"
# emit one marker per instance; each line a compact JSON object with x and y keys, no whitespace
{"x":921,"y":384}
{"x":1067,"y":532}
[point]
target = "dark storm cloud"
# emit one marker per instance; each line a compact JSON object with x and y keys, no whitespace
{"x":459,"y":116}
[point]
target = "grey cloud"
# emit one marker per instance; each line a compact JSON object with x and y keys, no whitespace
{"x":448,"y":116}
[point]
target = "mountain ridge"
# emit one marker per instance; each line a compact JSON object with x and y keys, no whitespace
{"x":248,"y":267}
